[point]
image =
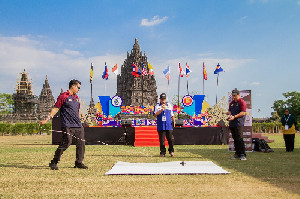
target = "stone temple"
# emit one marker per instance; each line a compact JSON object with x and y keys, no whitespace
{"x":45,"y":102}
{"x":137,"y":91}
{"x":24,"y":100}
{"x":27,"y":106}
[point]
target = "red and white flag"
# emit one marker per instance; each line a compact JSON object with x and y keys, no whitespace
{"x":115,"y":69}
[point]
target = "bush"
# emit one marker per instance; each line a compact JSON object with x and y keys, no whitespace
{"x":6,"y":128}
{"x":24,"y":128}
{"x":267,"y":127}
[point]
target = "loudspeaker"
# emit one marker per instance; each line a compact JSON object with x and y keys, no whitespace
{"x":179,"y":122}
{"x":126,"y":122}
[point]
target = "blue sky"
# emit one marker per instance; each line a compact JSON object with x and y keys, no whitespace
{"x":257,"y":43}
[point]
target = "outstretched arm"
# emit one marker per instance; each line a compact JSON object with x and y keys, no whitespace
{"x":51,"y":115}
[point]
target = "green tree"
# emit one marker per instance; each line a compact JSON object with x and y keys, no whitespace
{"x":6,"y":103}
{"x":292,"y":102}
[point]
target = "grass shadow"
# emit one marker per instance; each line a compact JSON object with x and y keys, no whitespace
{"x":22,"y":166}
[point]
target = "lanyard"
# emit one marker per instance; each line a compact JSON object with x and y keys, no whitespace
{"x":166,"y":108}
{"x":286,"y":120}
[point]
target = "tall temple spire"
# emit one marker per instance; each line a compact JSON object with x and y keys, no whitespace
{"x":138,"y":91}
{"x":45,"y":101}
{"x":136,"y":46}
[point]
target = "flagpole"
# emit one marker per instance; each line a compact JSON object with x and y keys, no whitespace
{"x":217,"y":88}
{"x":203,"y":85}
{"x":142,"y":89}
{"x":91,"y":81}
{"x":187,"y":85}
{"x":105,"y":88}
{"x":178,"y":112}
{"x":203,"y":76}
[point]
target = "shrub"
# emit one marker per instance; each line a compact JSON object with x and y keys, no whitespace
{"x":24,"y":128}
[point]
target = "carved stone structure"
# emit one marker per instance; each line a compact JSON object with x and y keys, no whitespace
{"x":218,"y":112}
{"x":137,"y":91}
{"x":45,"y":102}
{"x":24,"y":102}
{"x":24,"y":99}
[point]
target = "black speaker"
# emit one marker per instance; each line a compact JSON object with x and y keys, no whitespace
{"x":126,"y":122}
{"x":179,"y":122}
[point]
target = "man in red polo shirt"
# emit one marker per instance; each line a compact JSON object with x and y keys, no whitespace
{"x":237,"y":112}
{"x":69,"y":106}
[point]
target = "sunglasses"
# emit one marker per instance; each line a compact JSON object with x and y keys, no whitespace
{"x":77,"y":87}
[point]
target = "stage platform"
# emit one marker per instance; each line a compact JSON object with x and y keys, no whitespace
{"x":147,"y":135}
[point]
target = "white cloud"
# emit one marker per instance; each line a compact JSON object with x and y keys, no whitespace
{"x":71,"y":52}
{"x":154,"y":21}
{"x":63,"y":64}
{"x":23,"y":52}
{"x":255,"y":83}
{"x":298,"y":2}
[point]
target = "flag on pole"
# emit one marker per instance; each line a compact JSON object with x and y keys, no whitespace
{"x":167,"y":73}
{"x":204,"y":72}
{"x":135,"y":70}
{"x":91,"y":73}
{"x":187,"y":70}
{"x":218,"y":69}
{"x":115,"y":69}
{"x":151,"y":72}
{"x":144,"y":70}
{"x":181,"y":72}
{"x":105,"y":73}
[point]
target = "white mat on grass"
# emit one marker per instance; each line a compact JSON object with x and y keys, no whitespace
{"x":166,"y":168}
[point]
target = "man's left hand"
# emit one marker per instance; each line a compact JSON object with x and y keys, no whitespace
{"x":231,"y":117}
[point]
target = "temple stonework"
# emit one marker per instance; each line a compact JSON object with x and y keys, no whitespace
{"x":27,"y":107}
{"x":137,"y":91}
{"x":24,"y":99}
{"x":45,"y":102}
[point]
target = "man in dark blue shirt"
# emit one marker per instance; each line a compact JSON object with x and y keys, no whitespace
{"x":69,"y":106}
{"x":237,"y":112}
{"x":165,"y":116}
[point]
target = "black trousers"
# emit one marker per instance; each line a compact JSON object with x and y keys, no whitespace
{"x":289,"y":140}
{"x":237,"y":135}
{"x":170,"y":138}
{"x":67,"y":141}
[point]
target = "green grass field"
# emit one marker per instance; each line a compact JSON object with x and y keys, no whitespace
{"x":24,"y":172}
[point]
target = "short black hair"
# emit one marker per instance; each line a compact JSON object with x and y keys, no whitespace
{"x":74,"y":82}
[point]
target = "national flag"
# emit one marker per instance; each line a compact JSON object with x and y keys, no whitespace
{"x":218,"y":69}
{"x":105,"y":73}
{"x":144,"y":70}
{"x":91,"y":73}
{"x":181,"y":72}
{"x":115,"y":69}
{"x":167,"y":73}
{"x":151,"y":72}
{"x":204,"y":72}
{"x":135,"y":70}
{"x":187,"y":70}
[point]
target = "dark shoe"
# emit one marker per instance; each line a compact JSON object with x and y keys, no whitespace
{"x":53,"y":166}
{"x":235,"y":157}
{"x":80,"y":166}
{"x":172,"y":154}
{"x":243,"y":157}
{"x":162,"y":155}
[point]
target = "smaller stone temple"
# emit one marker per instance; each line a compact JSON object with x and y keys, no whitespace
{"x":24,"y":100}
{"x":27,"y":106}
{"x":45,"y":101}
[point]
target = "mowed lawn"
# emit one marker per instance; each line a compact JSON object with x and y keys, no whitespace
{"x":24,"y":172}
